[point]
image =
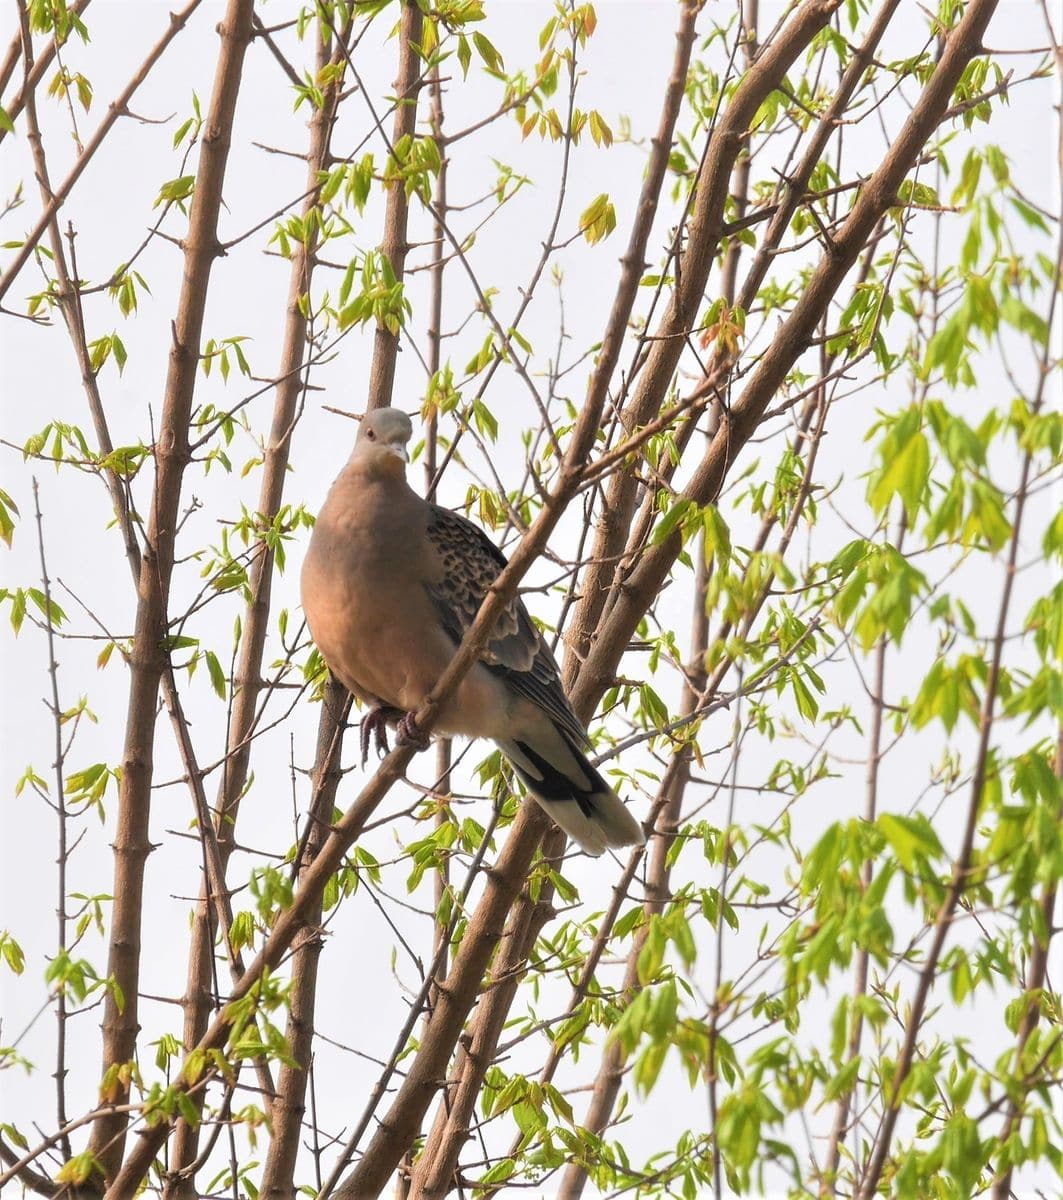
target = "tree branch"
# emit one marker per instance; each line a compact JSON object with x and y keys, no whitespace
{"x":248,"y":681}
{"x":38,"y":66}
{"x":738,"y":425}
{"x":116,"y":109}
{"x":149,"y":654}
{"x":704,"y":230}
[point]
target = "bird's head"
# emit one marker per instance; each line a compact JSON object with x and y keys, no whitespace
{"x":380,"y":447}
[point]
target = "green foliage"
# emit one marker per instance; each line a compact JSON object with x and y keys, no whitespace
{"x":176,"y":191}
{"x":379,"y":298}
{"x":80,"y":1169}
{"x":11,"y":953}
{"x":414,"y":163}
{"x":220,"y":352}
{"x":23,"y":601}
{"x":598,"y":219}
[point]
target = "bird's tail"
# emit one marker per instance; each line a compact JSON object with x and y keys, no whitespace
{"x":570,"y":790}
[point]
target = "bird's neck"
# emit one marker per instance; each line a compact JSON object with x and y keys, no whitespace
{"x":377,"y":468}
{"x":368,"y":492}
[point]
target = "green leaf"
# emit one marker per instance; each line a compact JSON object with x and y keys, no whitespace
{"x":910,"y":838}
{"x":79,"y":1169}
{"x":175,"y":190}
{"x":1029,"y":215}
{"x":7,"y":524}
{"x":671,"y":520}
{"x":649,"y":1064}
{"x":486,"y":50}
{"x":905,"y":472}
{"x":11,"y":953}
{"x":18,"y":609}
{"x":598,"y":219}
{"x":217,"y":675}
{"x":499,"y":1173}
{"x":842,"y":1082}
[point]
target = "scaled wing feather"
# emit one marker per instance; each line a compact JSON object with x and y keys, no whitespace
{"x":516,"y":651}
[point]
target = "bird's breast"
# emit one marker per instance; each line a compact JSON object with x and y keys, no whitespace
{"x":365,"y":594}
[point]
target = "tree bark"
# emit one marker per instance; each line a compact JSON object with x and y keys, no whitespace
{"x":199,"y":997}
{"x":149,"y":654}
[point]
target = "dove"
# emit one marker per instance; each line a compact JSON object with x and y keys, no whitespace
{"x":390,"y":584}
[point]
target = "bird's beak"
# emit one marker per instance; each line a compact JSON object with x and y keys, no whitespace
{"x":400,"y":451}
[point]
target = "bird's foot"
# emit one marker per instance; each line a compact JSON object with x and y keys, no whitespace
{"x":409,"y":733}
{"x":375,"y":726}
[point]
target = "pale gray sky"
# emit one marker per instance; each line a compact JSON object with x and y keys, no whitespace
{"x":626,"y":64}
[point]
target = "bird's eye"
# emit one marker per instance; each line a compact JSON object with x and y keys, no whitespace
{"x":370,"y":435}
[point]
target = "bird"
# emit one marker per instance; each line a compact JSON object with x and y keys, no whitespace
{"x":391,"y":582}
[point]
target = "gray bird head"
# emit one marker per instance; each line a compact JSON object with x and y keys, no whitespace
{"x":382,"y":438}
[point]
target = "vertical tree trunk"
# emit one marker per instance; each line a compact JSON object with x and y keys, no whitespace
{"x":149,"y":654}
{"x":199,"y":990}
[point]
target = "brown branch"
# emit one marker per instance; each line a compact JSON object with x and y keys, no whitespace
{"x":668,"y":809}
{"x":279,"y":1172}
{"x":7,"y":69}
{"x":423,"y":1077}
{"x":738,"y":425}
{"x":394,"y":244}
{"x":70,"y":300}
{"x":1038,"y":970}
{"x":503,"y":884}
{"x":441,"y":928}
{"x":381,"y":380}
{"x":843,"y":1108}
{"x":19,"y":1167}
{"x":961,"y":869}
{"x":69,"y":297}
{"x":287,"y":927}
{"x":37,"y":151}
{"x":431,"y":1179}
{"x":115,"y":109}
{"x":458,"y":993}
{"x":432,"y":1176}
{"x":860,"y":975}
{"x":718,"y":370}
{"x":486,"y":925}
{"x":58,"y":766}
{"x":429,"y":987}
{"x":217,"y":896}
{"x":744,"y":161}
{"x":248,"y":682}
{"x":640,"y":591}
{"x":797,"y":185}
{"x":149,"y":656}
{"x":411,"y":1101}
{"x":436,"y":1170}
{"x":705,"y":228}
{"x":20,"y":1171}
{"x":444,"y":746}
{"x":267,"y":36}
{"x":503,"y":332}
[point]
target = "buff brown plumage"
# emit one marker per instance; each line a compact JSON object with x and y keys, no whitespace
{"x":391,"y":583}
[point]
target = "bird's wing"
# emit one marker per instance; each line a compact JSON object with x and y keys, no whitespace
{"x":469,"y":563}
